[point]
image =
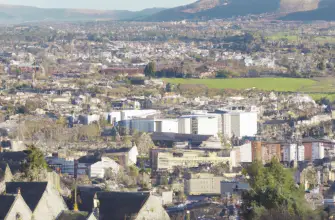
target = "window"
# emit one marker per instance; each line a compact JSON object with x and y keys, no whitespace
{"x":18,"y":216}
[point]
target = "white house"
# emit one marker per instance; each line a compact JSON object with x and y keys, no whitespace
{"x":97,"y":170}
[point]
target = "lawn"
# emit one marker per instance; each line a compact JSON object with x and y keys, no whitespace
{"x":269,"y":84}
{"x":283,"y":35}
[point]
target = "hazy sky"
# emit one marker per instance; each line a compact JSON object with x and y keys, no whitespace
{"x":99,"y":4}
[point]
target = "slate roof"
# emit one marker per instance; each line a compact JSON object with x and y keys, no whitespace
{"x":86,"y":195}
{"x":72,"y":215}
{"x":118,"y":150}
{"x":17,"y":157}
{"x":120,"y":205}
{"x":89,"y":159}
{"x":6,"y":202}
{"x":30,"y":191}
{"x":175,"y":137}
{"x":14,"y":168}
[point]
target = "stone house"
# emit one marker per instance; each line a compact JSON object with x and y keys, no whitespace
{"x":76,"y":215}
{"x":124,"y":156}
{"x":97,"y":170}
{"x":126,"y":205}
{"x":14,"y":207}
{"x":42,"y":198}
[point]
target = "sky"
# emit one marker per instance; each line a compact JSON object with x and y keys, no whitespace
{"x":99,"y":4}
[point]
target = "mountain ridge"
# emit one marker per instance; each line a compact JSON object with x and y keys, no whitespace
{"x":21,"y":13}
{"x":212,"y":9}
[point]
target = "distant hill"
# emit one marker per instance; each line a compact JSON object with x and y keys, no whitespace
{"x":325,"y":11}
{"x":16,"y":14}
{"x":229,"y":8}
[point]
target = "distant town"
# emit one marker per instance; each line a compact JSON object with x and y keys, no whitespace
{"x":190,"y":119}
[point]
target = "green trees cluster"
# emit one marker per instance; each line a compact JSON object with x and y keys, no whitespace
{"x":274,"y":193}
{"x":150,"y":70}
{"x":36,"y":165}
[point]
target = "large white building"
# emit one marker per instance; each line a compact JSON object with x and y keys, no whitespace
{"x":117,"y":116}
{"x":243,"y":123}
{"x":199,"y":124}
{"x":228,"y":123}
{"x":150,"y":125}
{"x":290,"y":152}
{"x":318,"y":151}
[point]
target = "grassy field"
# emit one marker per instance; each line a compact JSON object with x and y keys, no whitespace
{"x":269,"y":84}
{"x":291,"y":37}
{"x":283,"y":35}
{"x":317,"y":88}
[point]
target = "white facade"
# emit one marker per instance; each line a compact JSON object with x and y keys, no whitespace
{"x":117,"y":116}
{"x":318,"y":151}
{"x":246,"y":153}
{"x":152,"y":125}
{"x":226,"y":125}
{"x":199,"y":124}
{"x":290,"y":153}
{"x":166,"y":125}
{"x":97,"y":170}
{"x":184,"y":126}
{"x":132,"y":155}
{"x":89,"y":119}
{"x":243,"y":123}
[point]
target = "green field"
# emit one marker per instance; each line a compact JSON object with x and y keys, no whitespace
{"x":279,"y":36}
{"x":269,"y":84}
{"x":292,"y":37}
{"x":317,"y":88}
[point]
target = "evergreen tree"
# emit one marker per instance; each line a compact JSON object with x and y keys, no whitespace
{"x":150,"y":70}
{"x":273,"y":192}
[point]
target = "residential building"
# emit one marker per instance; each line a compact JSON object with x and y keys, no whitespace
{"x":167,"y":159}
{"x":256,"y":150}
{"x":124,"y":156}
{"x":203,"y":184}
{"x":308,"y":150}
{"x":241,"y":154}
{"x":293,"y":152}
{"x":13,"y":207}
{"x":97,"y":170}
{"x":318,"y":151}
{"x":271,"y":150}
{"x":127,"y":205}
{"x":42,"y":198}
{"x":265,"y":151}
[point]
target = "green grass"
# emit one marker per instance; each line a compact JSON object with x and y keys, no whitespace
{"x":283,"y":35}
{"x":317,"y":88}
{"x":319,"y":96}
{"x":268,"y":84}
